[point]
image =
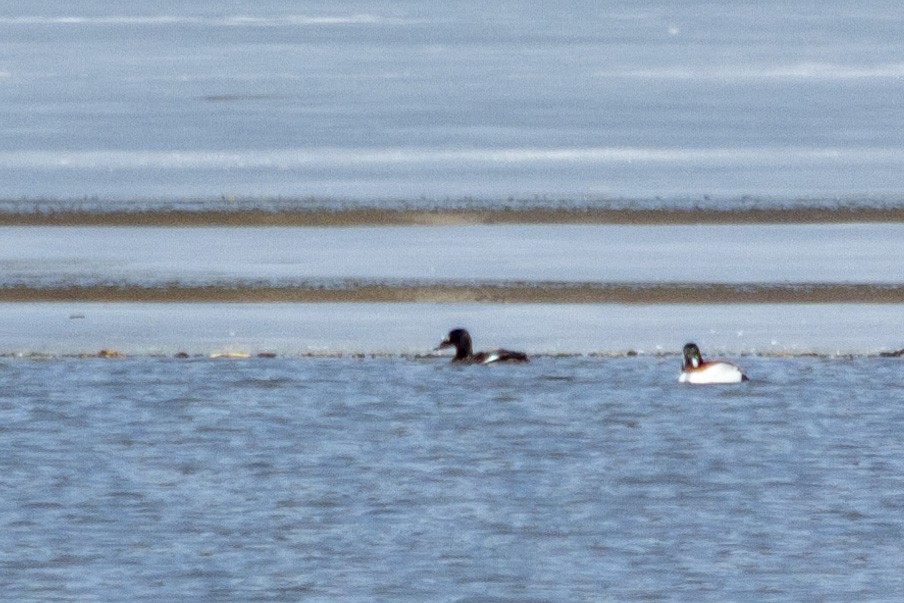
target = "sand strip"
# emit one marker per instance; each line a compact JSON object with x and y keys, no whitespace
{"x":446,"y":292}
{"x":372,"y":216}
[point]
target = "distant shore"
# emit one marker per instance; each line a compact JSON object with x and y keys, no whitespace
{"x":459,"y":292}
{"x":426,"y":216}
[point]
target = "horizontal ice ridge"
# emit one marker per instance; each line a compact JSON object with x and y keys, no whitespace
{"x":813,"y":71}
{"x":227,"y":21}
{"x":311,"y":158}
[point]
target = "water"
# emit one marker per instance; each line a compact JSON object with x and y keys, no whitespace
{"x":355,"y":466}
{"x":579,"y":479}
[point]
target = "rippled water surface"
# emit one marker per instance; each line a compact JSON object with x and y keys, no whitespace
{"x":577,"y":478}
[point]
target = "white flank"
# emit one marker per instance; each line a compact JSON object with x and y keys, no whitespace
{"x":717,"y":372}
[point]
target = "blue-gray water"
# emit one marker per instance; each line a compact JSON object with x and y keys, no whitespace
{"x":567,"y":479}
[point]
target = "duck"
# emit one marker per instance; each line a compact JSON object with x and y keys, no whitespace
{"x":461,"y":340}
{"x":698,"y":371}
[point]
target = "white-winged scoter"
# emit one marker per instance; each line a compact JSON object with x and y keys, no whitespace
{"x":460,"y":339}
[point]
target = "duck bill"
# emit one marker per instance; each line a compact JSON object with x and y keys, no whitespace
{"x":445,"y":343}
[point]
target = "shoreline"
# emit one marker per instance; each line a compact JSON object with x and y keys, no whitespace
{"x":343,"y":292}
{"x":416,"y":357}
{"x":427,"y":216}
{"x":394,"y":329}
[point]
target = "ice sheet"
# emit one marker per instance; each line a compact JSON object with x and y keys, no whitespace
{"x":858,"y":253}
{"x":402,"y":99}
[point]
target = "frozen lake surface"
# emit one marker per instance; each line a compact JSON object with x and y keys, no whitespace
{"x":567,"y":479}
{"x":826,"y":253}
{"x":397,"y":99}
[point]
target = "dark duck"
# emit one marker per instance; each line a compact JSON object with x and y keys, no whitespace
{"x":460,"y":339}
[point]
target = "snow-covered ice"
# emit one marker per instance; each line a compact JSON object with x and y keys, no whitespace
{"x":396,"y":99}
{"x":828,"y":253}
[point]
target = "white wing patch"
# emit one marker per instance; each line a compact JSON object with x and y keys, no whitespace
{"x":491,"y":357}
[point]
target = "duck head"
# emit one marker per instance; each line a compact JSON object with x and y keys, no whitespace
{"x":461,"y":340}
{"x":692,"y":356}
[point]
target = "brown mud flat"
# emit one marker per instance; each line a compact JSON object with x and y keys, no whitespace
{"x":371,"y":216}
{"x":521,"y":293}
